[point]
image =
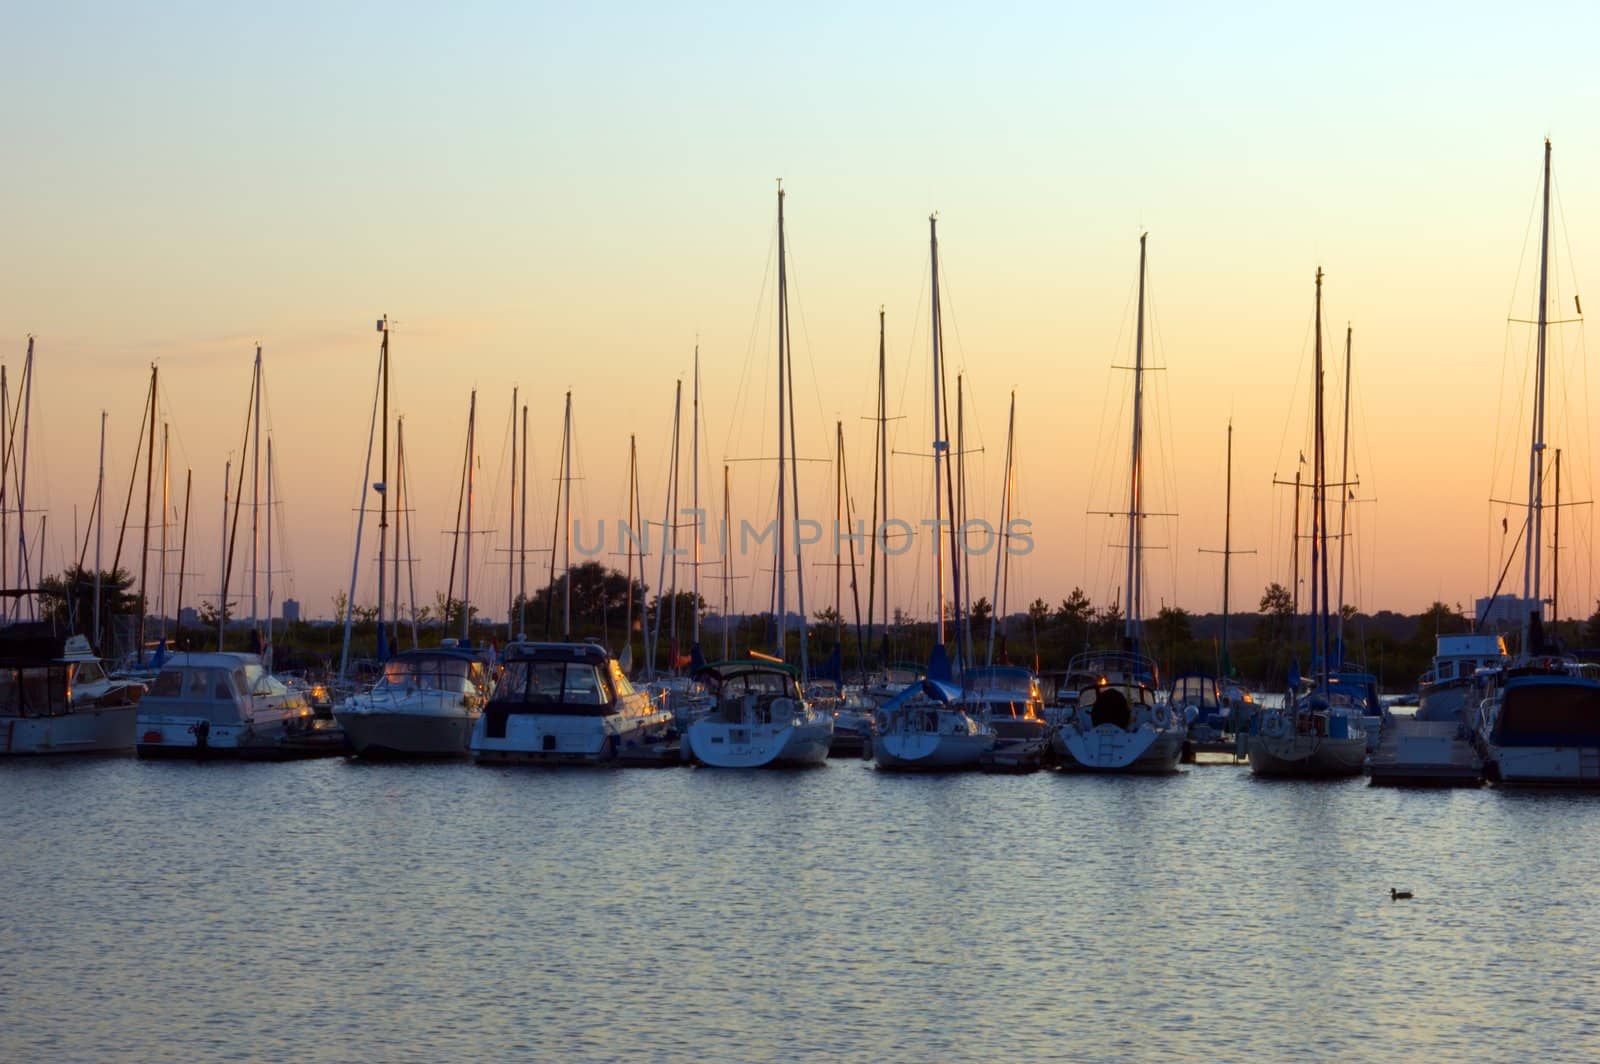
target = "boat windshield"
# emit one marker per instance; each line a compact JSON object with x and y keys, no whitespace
{"x":87,"y":672}
{"x":554,"y":683}
{"x":772,"y":684}
{"x":455,"y":675}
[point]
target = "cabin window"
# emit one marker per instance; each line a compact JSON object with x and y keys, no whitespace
{"x":1447,"y":670}
{"x":168,"y":684}
{"x":199,"y":684}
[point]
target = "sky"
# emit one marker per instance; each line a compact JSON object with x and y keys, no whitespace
{"x":561,"y":197}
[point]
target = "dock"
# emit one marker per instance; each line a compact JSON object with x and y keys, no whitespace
{"x":1424,"y":753}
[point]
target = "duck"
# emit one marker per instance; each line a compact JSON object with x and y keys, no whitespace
{"x":1398,"y":895}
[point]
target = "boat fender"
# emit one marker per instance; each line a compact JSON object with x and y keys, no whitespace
{"x":880,"y":722}
{"x":1163,"y":718}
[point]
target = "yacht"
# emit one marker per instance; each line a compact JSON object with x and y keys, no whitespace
{"x":425,"y":705}
{"x":227,"y":705}
{"x":1118,"y":723}
{"x":759,"y":718}
{"x":1540,"y":723}
{"x":925,"y":727}
{"x":55,"y":697}
{"x":1458,"y":675}
{"x":565,"y":702}
{"x":1008,"y":699}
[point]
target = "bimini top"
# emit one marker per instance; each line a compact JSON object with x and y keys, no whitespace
{"x":727,"y":669}
{"x":1102,"y":665}
{"x":27,"y":644}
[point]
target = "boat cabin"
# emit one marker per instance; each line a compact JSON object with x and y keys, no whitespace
{"x":752,"y":692}
{"x":558,"y":679}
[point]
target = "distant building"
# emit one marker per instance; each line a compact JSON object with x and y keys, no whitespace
{"x":189,"y":617}
{"x":1502,"y":611}
{"x":291,"y":611}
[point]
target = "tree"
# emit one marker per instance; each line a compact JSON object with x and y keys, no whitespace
{"x":68,"y":602}
{"x":981,"y":612}
{"x":341,"y":602}
{"x":1108,"y":624}
{"x":1076,"y":615}
{"x":1591,"y":631}
{"x":1038,"y":612}
{"x":1276,"y":601}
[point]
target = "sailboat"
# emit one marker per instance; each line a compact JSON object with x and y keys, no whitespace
{"x":1118,"y":722}
{"x":761,"y":718}
{"x":1319,"y":732}
{"x":1540,"y":723}
{"x":925,"y":726}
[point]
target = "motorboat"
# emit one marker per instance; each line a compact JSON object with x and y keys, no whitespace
{"x":1008,"y":699}
{"x":227,"y":705}
{"x":1118,"y":722}
{"x":565,"y":703}
{"x":1540,"y":724}
{"x":759,"y":718}
{"x":1457,"y":678}
{"x":55,"y":696}
{"x":425,"y":704}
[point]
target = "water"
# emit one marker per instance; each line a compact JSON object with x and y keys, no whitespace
{"x":328,"y":911}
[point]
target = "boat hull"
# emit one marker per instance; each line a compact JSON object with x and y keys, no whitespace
{"x":86,"y":731}
{"x":1108,"y":748}
{"x":407,"y":735}
{"x":557,"y":739}
{"x":924,"y":751}
{"x":1307,"y":756}
{"x":722,"y":744}
{"x":176,"y":738}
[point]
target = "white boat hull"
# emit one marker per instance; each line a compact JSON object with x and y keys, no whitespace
{"x":556,"y":738}
{"x":85,"y":731}
{"x":1310,"y":756}
{"x":926,"y":750}
{"x":1562,"y":766}
{"x":1108,"y":748}
{"x":722,"y":744}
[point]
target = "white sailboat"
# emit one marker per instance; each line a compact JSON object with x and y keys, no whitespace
{"x":925,"y":726}
{"x":1118,"y":722}
{"x":770,"y":725}
{"x":1320,"y":731}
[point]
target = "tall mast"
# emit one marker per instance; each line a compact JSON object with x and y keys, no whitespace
{"x":566,"y":484}
{"x":511,"y":557}
{"x":727,"y":631}
{"x":23,"y":575}
{"x":99,"y":527}
{"x":1319,"y":510}
{"x":694,"y":478}
{"x":522,"y":537}
{"x":383,"y":478}
{"x":400,"y":503}
{"x":472,"y":483}
{"x":361,"y":511}
{"x":1534,"y":540}
{"x":183,"y":558}
{"x":1005,"y":524}
{"x":149,"y":474}
{"x":1227,"y":552}
{"x":653,"y":635}
{"x":269,"y":552}
{"x":781,"y":606}
{"x":939,"y":443}
{"x":166,"y":508}
{"x":632,"y":504}
{"x":1344,"y":490}
{"x":255,"y":496}
{"x":1133,"y":593}
{"x":222,"y":593}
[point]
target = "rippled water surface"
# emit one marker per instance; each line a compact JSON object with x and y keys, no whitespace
{"x":335,"y":911}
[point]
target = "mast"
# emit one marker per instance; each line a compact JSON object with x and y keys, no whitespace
{"x":183,"y":558}
{"x":653,"y":635}
{"x":472,"y":483}
{"x":99,"y":524}
{"x":939,"y":444}
{"x":1344,"y":491}
{"x":361,"y":511}
{"x":255,"y":498}
{"x":522,"y":538}
{"x":383,"y":481}
{"x":269,"y":553}
{"x":166,"y":508}
{"x":149,"y":474}
{"x":400,"y":503}
{"x":1227,"y":553}
{"x":1534,"y":540}
{"x":727,"y":631}
{"x":1000,"y":560}
{"x":222,"y":597}
{"x":23,"y":575}
{"x":694,"y":479}
{"x":511,"y":581}
{"x":1133,"y":594}
{"x":781,"y":606}
{"x":632,"y":504}
{"x":1319,"y":509}
{"x":566,"y":484}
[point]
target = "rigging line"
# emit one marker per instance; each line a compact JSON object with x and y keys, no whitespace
{"x":805,"y":334}
{"x":756,"y":318}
